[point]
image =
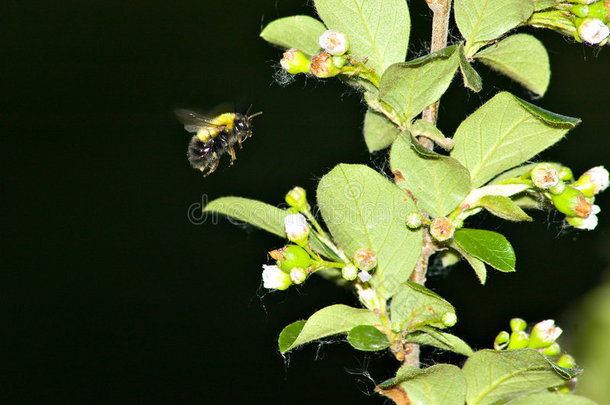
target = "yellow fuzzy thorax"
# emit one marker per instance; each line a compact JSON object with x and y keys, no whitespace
{"x":223,"y":122}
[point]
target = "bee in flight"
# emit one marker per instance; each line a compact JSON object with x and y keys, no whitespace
{"x":214,"y":136}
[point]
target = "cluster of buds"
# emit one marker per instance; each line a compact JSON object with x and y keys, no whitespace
{"x":333,"y":59}
{"x":575,"y":199}
{"x":292,"y":267}
{"x":586,"y":20}
{"x":542,"y":337}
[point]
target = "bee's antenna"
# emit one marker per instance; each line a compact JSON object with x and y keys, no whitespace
{"x":248,"y":110}
{"x":255,"y":114}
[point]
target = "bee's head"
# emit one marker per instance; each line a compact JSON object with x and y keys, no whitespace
{"x":242,"y":123}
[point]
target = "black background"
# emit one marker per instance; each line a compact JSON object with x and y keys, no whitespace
{"x":110,"y":294}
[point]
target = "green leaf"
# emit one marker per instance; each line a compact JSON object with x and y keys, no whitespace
{"x":367,"y":338}
{"x":472,"y":80}
{"x":439,"y":183}
{"x":491,"y":247}
{"x":504,"y":208}
{"x":430,"y":131}
{"x":496,"y":377}
{"x":289,"y":334}
{"x":522,"y":58}
{"x":411,"y":86}
{"x":477,"y":265}
{"x":363,"y":209}
{"x":486,"y":20}
{"x":379,"y":132}
{"x":376,"y":29}
{"x":504,"y":133}
{"x":298,"y":31}
{"x":442,"y":340}
{"x":552,"y":398}
{"x":542,"y":4}
{"x":328,"y":321}
{"x":442,"y":384}
{"x":414,"y":305}
{"x":253,"y":212}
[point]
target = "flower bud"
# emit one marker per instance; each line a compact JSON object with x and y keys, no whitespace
{"x":593,"y":181}
{"x":365,"y":276}
{"x":442,"y":229}
{"x":297,"y":198}
{"x":322,"y":66}
{"x":518,"y":340}
{"x":544,"y":176}
{"x":589,"y":223}
{"x":414,"y":220}
{"x":339,"y":61}
{"x":298,"y":275}
{"x":291,"y":256}
{"x":449,"y":319}
{"x":544,"y":334}
{"x":368,"y":297}
{"x":365,"y":259}
{"x":334,"y":42}
{"x":296,"y":227}
{"x":592,"y":30}
{"x":565,"y":173}
{"x":572,"y":202}
{"x":553,"y":350}
{"x":295,"y":61}
{"x":517,"y":324}
{"x":274,"y":278}
{"x":566,"y":361}
{"x":349,"y":272}
{"x":501,"y":340}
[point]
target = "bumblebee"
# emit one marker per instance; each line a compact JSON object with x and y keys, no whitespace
{"x":214,"y":136}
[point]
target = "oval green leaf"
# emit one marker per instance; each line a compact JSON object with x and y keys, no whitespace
{"x":496,"y":377}
{"x":439,"y":183}
{"x":379,"y":132}
{"x":363,"y":209}
{"x":298,"y":31}
{"x":411,"y":86}
{"x":442,"y":340}
{"x":414,"y":306}
{"x":289,"y":334}
{"x":378,"y":30}
{"x":504,"y":133}
{"x":367,"y":338}
{"x":328,"y":321}
{"x":472,"y":80}
{"x":504,"y":208}
{"x":490,"y":247}
{"x":522,"y":58}
{"x":257,"y":213}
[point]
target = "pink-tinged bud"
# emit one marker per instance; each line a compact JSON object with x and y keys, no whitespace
{"x":334,"y":42}
{"x":593,"y":181}
{"x":442,"y":229}
{"x":322,"y":66}
{"x":501,"y":340}
{"x":572,"y":202}
{"x":275,"y":279}
{"x":544,"y":334}
{"x":365,"y":259}
{"x":295,"y":61}
{"x":544,"y":176}
{"x":589,"y":223}
{"x":296,"y":227}
{"x":592,"y":30}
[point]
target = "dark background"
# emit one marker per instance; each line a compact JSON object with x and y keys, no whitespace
{"x":110,"y":294}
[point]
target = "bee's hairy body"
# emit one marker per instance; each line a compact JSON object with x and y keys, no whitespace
{"x":213,"y":137}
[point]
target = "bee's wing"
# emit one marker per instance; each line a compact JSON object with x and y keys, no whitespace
{"x":193,"y":121}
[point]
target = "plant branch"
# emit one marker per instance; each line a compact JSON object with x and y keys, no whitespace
{"x":441,"y":10}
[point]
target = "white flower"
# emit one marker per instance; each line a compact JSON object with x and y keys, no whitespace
{"x":593,"y":181}
{"x":274,"y":278}
{"x":296,"y":228}
{"x":369,"y":298}
{"x":544,"y":176}
{"x":334,"y":42}
{"x":546,"y":331}
{"x":593,"y":30}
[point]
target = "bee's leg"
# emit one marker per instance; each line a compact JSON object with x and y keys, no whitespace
{"x":232,"y":153}
{"x":212,"y":168}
